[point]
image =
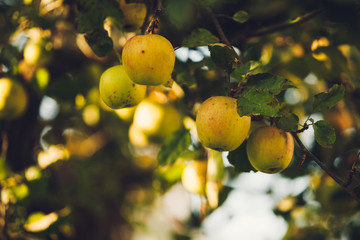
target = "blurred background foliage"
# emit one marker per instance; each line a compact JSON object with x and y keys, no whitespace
{"x":71,"y":168}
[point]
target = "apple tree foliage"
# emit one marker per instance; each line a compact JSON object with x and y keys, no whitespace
{"x":292,"y":64}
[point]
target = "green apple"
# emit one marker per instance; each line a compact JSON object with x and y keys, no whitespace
{"x":118,"y":91}
{"x":148,"y":59}
{"x":13,"y":99}
{"x":219,"y":125}
{"x":270,"y":149}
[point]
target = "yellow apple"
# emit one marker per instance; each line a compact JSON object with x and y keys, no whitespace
{"x":118,"y":91}
{"x":148,"y":59}
{"x":35,"y":53}
{"x":157,"y":121}
{"x":134,"y":14}
{"x":193,"y":177}
{"x":13,"y":99}
{"x":219,"y":126}
{"x":270,"y":149}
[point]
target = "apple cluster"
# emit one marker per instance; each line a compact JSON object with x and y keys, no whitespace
{"x":148,"y":60}
{"x":220,"y":127}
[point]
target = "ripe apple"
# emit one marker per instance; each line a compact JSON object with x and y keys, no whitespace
{"x":148,"y":59}
{"x":134,"y":14}
{"x":218,"y":124}
{"x":118,"y":91}
{"x":270,"y":149}
{"x":157,"y":121}
{"x":193,"y":177}
{"x":13,"y":99}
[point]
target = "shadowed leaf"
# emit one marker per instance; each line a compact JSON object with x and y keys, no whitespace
{"x":199,"y":37}
{"x":174,"y":146}
{"x":324,"y":133}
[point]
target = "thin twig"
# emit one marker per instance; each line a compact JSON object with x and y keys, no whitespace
{"x":305,"y":127}
{"x":303,"y":157}
{"x":221,"y":33}
{"x":325,"y":168}
{"x":285,"y":25}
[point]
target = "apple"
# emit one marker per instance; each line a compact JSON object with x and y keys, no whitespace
{"x":35,"y":53}
{"x":219,"y":125}
{"x":118,"y":91}
{"x":134,"y":14}
{"x":13,"y":99}
{"x":193,"y":177}
{"x":270,"y":149}
{"x":157,"y":121}
{"x":148,"y":59}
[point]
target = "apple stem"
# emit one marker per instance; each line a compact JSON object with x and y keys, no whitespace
{"x":155,"y":19}
{"x":152,"y":25}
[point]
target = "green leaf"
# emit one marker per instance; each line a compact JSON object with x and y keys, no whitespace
{"x":174,"y":146}
{"x":239,"y":159}
{"x":185,"y":78}
{"x":266,"y":81}
{"x":327,"y":100}
{"x":260,"y":95}
{"x":88,"y":20}
{"x":100,"y":42}
{"x":111,"y":9}
{"x":199,"y":37}
{"x":324,"y":133}
{"x":288,"y":122}
{"x":223,"y":56}
{"x":241,"y":71}
{"x":254,"y":101}
{"x":91,"y":14}
{"x":240,"y":16}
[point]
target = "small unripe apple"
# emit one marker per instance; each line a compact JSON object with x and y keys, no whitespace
{"x":118,"y":91}
{"x":270,"y":149}
{"x":13,"y":99}
{"x":193,"y":177}
{"x":219,"y":125}
{"x":148,"y":59}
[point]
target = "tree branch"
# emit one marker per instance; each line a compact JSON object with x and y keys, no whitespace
{"x":325,"y":168}
{"x":221,"y":33}
{"x":282,"y":26}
